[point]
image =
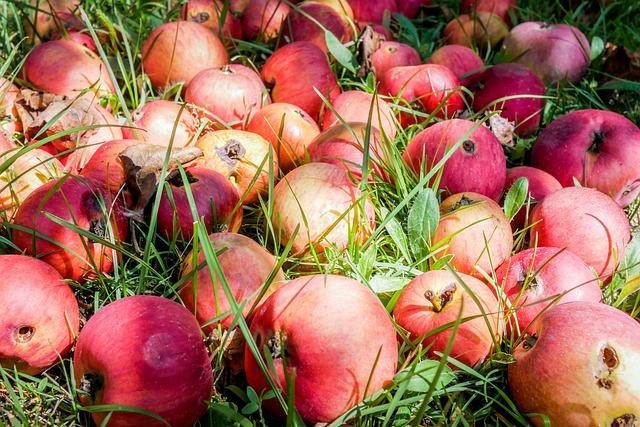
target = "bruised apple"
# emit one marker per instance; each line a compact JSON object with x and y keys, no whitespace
{"x":460,"y":59}
{"x":393,"y":54}
{"x":540,"y":184}
{"x":155,"y":121}
{"x":434,"y":299}
{"x":474,"y":232}
{"x":204,"y":295}
{"x":482,"y":29}
{"x":321,"y":201}
{"x":320,"y":327}
{"x":357,"y":106}
{"x":39,"y":319}
{"x":146,"y":352}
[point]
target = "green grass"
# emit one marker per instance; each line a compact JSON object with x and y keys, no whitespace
{"x":424,"y":392}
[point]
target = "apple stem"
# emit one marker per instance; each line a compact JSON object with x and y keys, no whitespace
{"x":598,"y":140}
{"x":440,"y":300}
{"x":90,"y":384}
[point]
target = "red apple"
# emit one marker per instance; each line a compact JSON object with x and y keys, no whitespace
{"x":45,"y":17}
{"x":205,"y":297}
{"x":474,"y":230}
{"x":367,"y":11}
{"x":356,"y":106}
{"x":263,"y":19}
{"x":310,"y":20}
{"x":146,"y":352}
{"x":78,"y":202}
{"x":323,"y":202}
{"x":599,"y":149}
{"x":517,"y":83}
{"x":382,"y":32}
{"x":410,"y":8}
{"x":580,"y":366}
{"x":393,"y":54}
{"x":429,"y":88}
{"x":295,"y":72}
{"x":585,"y":221}
{"x":155,"y":121}
{"x":40,"y":317}
{"x":230,"y":95}
{"x":80,"y":37}
{"x":105,"y":167}
{"x":540,"y":184}
{"x":484,"y":30}
{"x":176,"y":51}
{"x":340,"y":6}
{"x":555,"y":52}
{"x":289,"y":129}
{"x":216,"y":202}
{"x":536,"y":279}
{"x":322,"y":325}
{"x":478,"y":165}
{"x":209,"y":13}
{"x":460,"y":59}
{"x":500,"y":8}
{"x":434,"y":299}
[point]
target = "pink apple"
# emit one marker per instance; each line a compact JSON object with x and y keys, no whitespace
{"x":393,"y":54}
{"x":300,"y":26}
{"x":357,"y":106}
{"x":263,"y":19}
{"x":367,"y":11}
{"x":460,"y":59}
{"x":154,"y":123}
{"x":540,"y":185}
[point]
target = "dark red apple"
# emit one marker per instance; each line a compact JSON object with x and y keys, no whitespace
{"x":39,"y":318}
{"x":599,"y":149}
{"x":500,"y":8}
{"x":367,"y":11}
{"x":263,"y":19}
{"x":146,"y":352}
{"x":357,"y":106}
{"x":393,"y":54}
{"x":540,"y":184}
{"x":434,"y":299}
{"x":585,"y":221}
{"x":154,"y":123}
{"x":295,"y":72}
{"x":460,"y":59}
{"x":580,"y":366}
{"x":484,"y":30}
{"x":310,"y":20}
{"x":478,"y":164}
{"x":209,"y":13}
{"x":410,"y":8}
{"x":320,"y":326}
{"x":555,"y":52}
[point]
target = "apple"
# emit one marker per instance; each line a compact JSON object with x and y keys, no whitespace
{"x":288,"y":128}
{"x":536,"y":279}
{"x":357,"y":106}
{"x":79,"y":37}
{"x":176,"y":51}
{"x":263,"y":19}
{"x":517,"y":83}
{"x":555,"y":52}
{"x":320,"y":328}
{"x":382,"y":32}
{"x":44,"y":17}
{"x":478,"y":164}
{"x":579,"y":366}
{"x":393,"y":54}
{"x":229,"y":95}
{"x":154,"y":122}
{"x":77,"y":201}
{"x":340,"y":6}
{"x":482,"y":29}
{"x":410,"y":8}
{"x":599,"y":149}
{"x":434,"y":299}
{"x":540,"y":184}
{"x":216,"y":202}
{"x":240,"y":156}
{"x":105,"y":167}
{"x":474,"y":230}
{"x":428,"y":88}
{"x":367,"y":11}
{"x":146,"y":352}
{"x":462,"y":60}
{"x":323,"y":202}
{"x":309,"y":21}
{"x":585,"y":221}
{"x":205,"y":297}
{"x":295,"y":72}
{"x":40,"y":317}
{"x":501,"y":8}
{"x":209,"y":13}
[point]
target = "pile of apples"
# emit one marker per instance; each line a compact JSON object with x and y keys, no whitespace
{"x":288,"y":131}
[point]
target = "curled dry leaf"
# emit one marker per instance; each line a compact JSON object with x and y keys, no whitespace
{"x":368,"y":43}
{"x":503,"y":129}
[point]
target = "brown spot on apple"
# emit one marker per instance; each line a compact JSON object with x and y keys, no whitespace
{"x":469,"y":146}
{"x":231,"y":152}
{"x":24,"y":333}
{"x":90,"y":384}
{"x":609,"y":357}
{"x":626,"y":420}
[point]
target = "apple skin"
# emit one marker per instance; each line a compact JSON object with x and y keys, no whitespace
{"x":300,"y":28}
{"x":326,"y":205}
{"x":585,"y":221}
{"x":290,"y":143}
{"x":67,"y":68}
{"x":540,"y":184}
{"x":459,"y":59}
{"x":105,"y":167}
{"x":500,"y":8}
{"x":355,"y":106}
{"x":176,"y":51}
{"x":555,"y":52}
{"x":340,"y":6}
{"x":532,"y":278}
{"x":433,"y":299}
{"x":424,"y":87}
{"x":230,"y":95}
{"x":74,"y":200}
{"x":475,"y":231}
{"x":383,"y":32}
{"x":478,"y":165}
{"x":582,"y":369}
{"x":410,"y":8}
{"x":324,"y":324}
{"x":393,"y":54}
{"x":215,"y":198}
{"x":482,"y":29}
{"x":40,"y":317}
{"x":368,"y":11}
{"x":235,"y":251}
{"x":155,"y":121}
{"x":510,"y":80}
{"x":601,"y":149}
{"x":144,"y":351}
{"x":263,"y":19}
{"x":208,"y":13}
{"x":295,"y":71}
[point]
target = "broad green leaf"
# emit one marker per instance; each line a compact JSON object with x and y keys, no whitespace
{"x":422,"y":220}
{"x":516,"y":197}
{"x":396,"y":233}
{"x":597,"y":47}
{"x":623,"y":85}
{"x":421,"y":376}
{"x":381,"y":283}
{"x":339,"y":51}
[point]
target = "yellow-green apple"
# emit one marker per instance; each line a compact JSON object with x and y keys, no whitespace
{"x":482,"y":29}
